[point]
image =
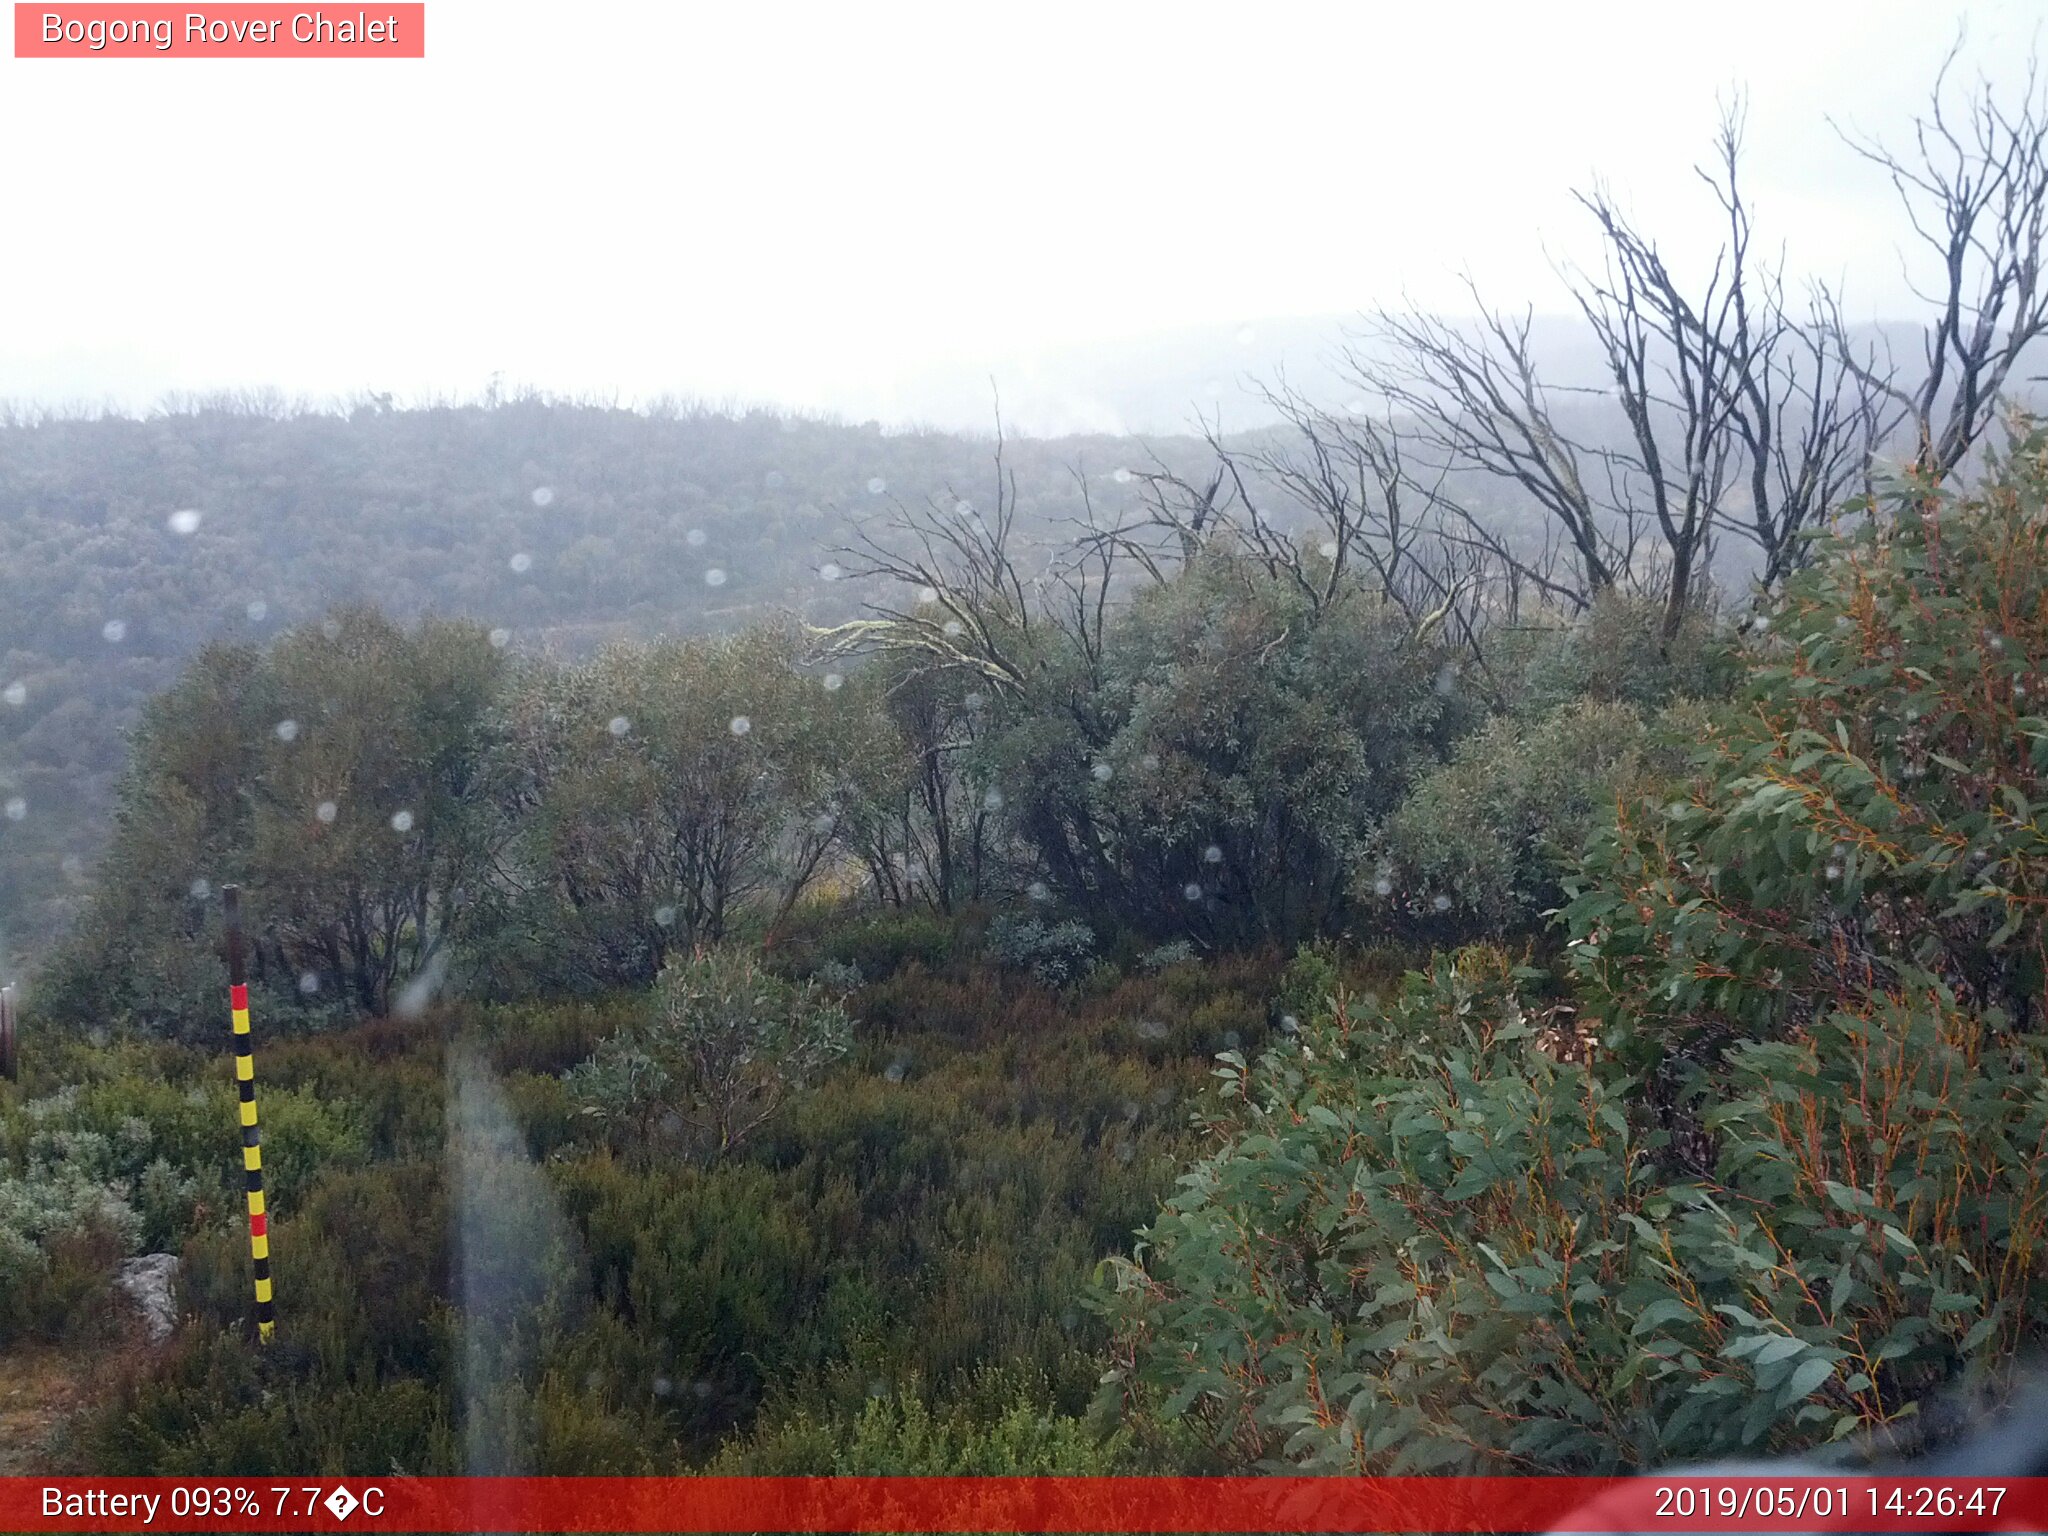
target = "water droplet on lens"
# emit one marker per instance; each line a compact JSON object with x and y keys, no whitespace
{"x":401,"y":821}
{"x":287,"y":730}
{"x":16,"y":693}
{"x":877,"y":485}
{"x":500,"y":638}
{"x":16,"y":808}
{"x":326,"y":810}
{"x":543,"y":495}
{"x":521,"y":562}
{"x":114,"y":631}
{"x":619,"y":725}
{"x":740,"y":725}
{"x":714,"y":577}
{"x":185,"y":522}
{"x":695,"y":538}
{"x":1192,"y":891}
{"x":258,"y":611}
{"x":309,"y":983}
{"x":833,"y":682}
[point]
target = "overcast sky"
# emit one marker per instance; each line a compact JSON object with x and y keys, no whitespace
{"x":814,"y":204}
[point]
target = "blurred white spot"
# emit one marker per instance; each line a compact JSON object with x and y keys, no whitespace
{"x":1212,"y":855}
{"x":331,"y":628}
{"x":1447,"y":679}
{"x":309,"y":983}
{"x":1289,"y":1024}
{"x":1149,"y":762}
{"x":1383,"y":886}
{"x":964,"y":508}
{"x":833,"y":682}
{"x":1101,"y":771}
{"x":714,"y":577}
{"x":414,"y":996}
{"x":16,"y":808}
{"x":1192,"y":891}
{"x":287,"y":730}
{"x":894,"y":1071}
{"x":665,"y":916}
{"x":877,"y":485}
{"x":830,"y":571}
{"x":694,"y":538}
{"x":992,"y":801}
{"x":114,"y":631}
{"x":740,"y":725}
{"x":1151,"y":1029}
{"x":927,"y":594}
{"x":73,"y":866}
{"x":521,"y":562}
{"x":186,"y":522}
{"x":974,"y":701}
{"x":1327,"y":549}
{"x":1441,"y":902}
{"x":500,"y":638}
{"x":823,"y":823}
{"x":663,"y":1386}
{"x":619,"y":725}
{"x":401,"y":821}
{"x":773,"y":480}
{"x":1121,"y":476}
{"x":199,"y":890}
{"x":1834,"y":871}
{"x":543,"y":495}
{"x":326,"y":810}
{"x":953,"y":629}
{"x":1038,"y":890}
{"x":16,"y":693}
{"x":258,"y":611}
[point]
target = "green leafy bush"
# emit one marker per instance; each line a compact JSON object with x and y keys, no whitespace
{"x":728,"y":1043}
{"x":1058,"y":954}
{"x":1485,"y":841}
{"x":1866,"y":818}
{"x":1460,"y":1254}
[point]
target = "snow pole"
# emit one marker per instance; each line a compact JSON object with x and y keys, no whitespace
{"x":245,"y":1090}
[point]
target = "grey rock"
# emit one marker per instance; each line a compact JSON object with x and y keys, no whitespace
{"x":150,"y":1281}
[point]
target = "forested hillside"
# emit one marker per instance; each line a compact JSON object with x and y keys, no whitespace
{"x":127,"y":544}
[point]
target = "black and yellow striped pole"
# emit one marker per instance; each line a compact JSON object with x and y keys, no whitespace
{"x":245,"y":1090}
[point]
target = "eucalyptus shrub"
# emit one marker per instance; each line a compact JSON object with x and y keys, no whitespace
{"x":1423,"y":1245}
{"x":1867,"y":816}
{"x":728,"y":1043}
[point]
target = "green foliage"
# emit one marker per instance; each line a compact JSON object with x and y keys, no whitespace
{"x":729,"y":1042}
{"x":1216,"y":772}
{"x":1459,"y":1254}
{"x":902,"y":1434}
{"x":1433,"y":1235}
{"x":1865,"y":819}
{"x":1057,"y":954}
{"x":1496,"y":830}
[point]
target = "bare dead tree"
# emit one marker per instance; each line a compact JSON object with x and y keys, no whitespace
{"x":1975,"y":192}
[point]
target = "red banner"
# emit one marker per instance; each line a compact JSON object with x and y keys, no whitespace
{"x":1677,"y":1502}
{"x":224,"y":31}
